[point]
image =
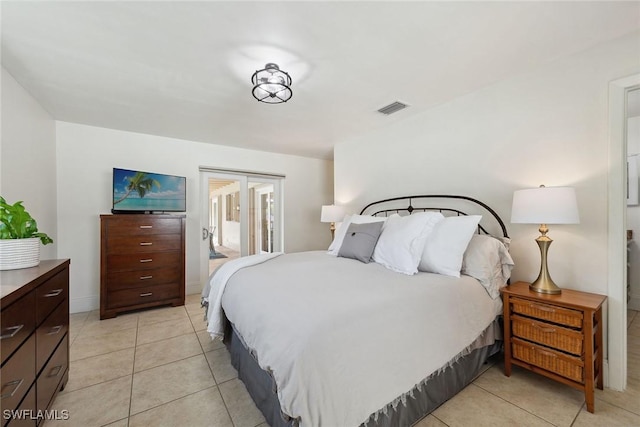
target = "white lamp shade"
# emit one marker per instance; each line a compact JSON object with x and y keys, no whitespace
{"x":545,"y":205}
{"x":332,"y":213}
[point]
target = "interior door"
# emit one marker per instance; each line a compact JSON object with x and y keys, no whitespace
{"x":243,"y":211}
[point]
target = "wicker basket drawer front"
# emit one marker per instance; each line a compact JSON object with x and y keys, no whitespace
{"x":562,"y":364}
{"x":550,"y":335}
{"x":552,"y":313}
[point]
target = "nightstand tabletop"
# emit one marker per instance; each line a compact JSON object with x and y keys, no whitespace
{"x":568,"y":297}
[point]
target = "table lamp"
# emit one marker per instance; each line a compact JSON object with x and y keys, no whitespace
{"x":545,"y":205}
{"x":332,"y":214}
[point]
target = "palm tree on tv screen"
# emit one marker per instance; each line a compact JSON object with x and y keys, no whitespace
{"x":141,"y":183}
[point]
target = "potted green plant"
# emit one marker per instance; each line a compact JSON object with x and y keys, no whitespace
{"x":19,"y":237}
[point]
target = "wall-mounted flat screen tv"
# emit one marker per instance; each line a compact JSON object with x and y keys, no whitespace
{"x":146,"y":192}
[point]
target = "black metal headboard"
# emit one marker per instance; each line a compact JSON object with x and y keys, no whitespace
{"x":391,"y":208}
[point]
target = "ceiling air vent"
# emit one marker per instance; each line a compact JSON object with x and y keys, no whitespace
{"x":392,"y":108}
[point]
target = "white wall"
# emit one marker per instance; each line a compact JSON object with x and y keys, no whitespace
{"x":548,"y":126}
{"x":86,"y":156}
{"x":28,"y":158}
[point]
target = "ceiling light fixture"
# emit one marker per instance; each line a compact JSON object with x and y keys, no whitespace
{"x":271,"y":85}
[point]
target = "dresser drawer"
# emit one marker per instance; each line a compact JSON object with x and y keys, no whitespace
{"x":554,"y":361}
{"x":50,"y":332}
{"x":27,"y":407}
{"x":143,"y":261}
{"x":52,"y":374}
{"x":550,"y":335}
{"x":130,"y":279}
{"x":17,"y":375}
{"x":143,"y":244}
{"x":143,"y":225}
{"x":50,"y":294}
{"x":17,"y":321}
{"x":552,"y":313}
{"x":147,"y":294}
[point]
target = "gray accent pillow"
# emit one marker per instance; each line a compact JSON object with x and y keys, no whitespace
{"x":360,"y":241}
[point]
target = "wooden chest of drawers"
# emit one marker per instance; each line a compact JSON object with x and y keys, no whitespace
{"x":141,"y":262}
{"x":34,"y":340}
{"x":558,"y":336}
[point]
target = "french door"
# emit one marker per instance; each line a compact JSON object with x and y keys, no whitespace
{"x":241,"y":214}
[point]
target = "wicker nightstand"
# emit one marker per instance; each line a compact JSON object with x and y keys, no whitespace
{"x":558,"y":336}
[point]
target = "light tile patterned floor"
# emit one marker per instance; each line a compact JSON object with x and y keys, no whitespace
{"x":160,"y":368}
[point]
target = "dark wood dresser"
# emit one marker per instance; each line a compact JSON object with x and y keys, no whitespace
{"x":142,"y":262}
{"x":34,"y":342}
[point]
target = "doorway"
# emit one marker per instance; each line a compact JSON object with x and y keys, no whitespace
{"x":616,"y":369}
{"x":241,"y":215}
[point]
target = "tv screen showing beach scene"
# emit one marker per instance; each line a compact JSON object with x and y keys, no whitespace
{"x":137,"y":191}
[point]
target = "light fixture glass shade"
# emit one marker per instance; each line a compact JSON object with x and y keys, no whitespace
{"x":545,"y":205}
{"x":332,"y":213}
{"x":271,"y":85}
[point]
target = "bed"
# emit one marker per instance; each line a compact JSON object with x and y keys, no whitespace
{"x":326,"y":339}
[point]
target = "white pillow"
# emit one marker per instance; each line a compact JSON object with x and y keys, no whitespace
{"x":488,"y":260}
{"x":341,"y":231}
{"x":401,"y":243}
{"x":445,"y":246}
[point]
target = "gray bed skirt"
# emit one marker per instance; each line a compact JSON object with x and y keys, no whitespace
{"x":437,"y":389}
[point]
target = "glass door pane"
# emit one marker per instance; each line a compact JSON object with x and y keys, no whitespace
{"x":240,"y":216}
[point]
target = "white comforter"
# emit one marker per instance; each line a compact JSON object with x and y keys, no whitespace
{"x":345,"y":339}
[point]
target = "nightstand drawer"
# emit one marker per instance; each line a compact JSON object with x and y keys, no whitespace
{"x":551,"y":335}
{"x":554,"y":361}
{"x":552,"y":313}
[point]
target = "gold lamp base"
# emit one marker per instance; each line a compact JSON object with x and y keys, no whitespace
{"x":544,"y":284}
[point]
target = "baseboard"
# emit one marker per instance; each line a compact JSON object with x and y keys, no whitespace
{"x":634,"y":304}
{"x":605,"y":376}
{"x":82,"y":304}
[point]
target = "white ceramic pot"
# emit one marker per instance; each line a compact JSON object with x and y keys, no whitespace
{"x":19,"y":253}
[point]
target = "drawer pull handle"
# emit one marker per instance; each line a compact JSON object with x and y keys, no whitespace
{"x":146,"y":243}
{"x":53,"y":293}
{"x":546,"y":353}
{"x":147,"y":260}
{"x":146,"y":226}
{"x":55,"y":371}
{"x":55,"y":330}
{"x":14,"y":330}
{"x":542,"y":308}
{"x":16,"y":385}
{"x":543,"y":329}
{"x":146,"y":277}
{"x":146,"y":294}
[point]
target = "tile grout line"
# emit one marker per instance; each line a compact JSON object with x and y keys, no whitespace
{"x":578,"y":414}
{"x":513,"y":404}
{"x":133,"y":369}
{"x":213,"y":376}
{"x":171,"y":401}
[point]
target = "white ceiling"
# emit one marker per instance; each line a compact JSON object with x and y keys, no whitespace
{"x":183,"y":69}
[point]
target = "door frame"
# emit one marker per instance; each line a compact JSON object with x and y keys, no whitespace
{"x":616,"y":369}
{"x":243,"y":177}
